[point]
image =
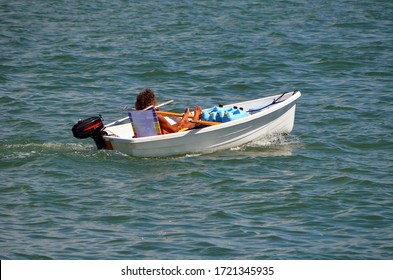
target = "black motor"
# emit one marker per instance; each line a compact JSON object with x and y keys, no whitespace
{"x":88,"y":127}
{"x":91,"y":127}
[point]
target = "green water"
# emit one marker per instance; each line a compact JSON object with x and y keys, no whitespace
{"x":324,"y":192}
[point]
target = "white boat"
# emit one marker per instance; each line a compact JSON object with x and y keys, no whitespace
{"x":267,"y":116}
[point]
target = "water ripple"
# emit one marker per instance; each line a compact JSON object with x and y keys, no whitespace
{"x":322,"y":193}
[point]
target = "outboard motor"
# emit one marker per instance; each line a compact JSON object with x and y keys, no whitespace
{"x":91,"y":127}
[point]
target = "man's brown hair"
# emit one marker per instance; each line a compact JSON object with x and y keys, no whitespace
{"x":145,"y":98}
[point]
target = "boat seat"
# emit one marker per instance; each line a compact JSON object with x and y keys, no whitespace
{"x":144,"y":123}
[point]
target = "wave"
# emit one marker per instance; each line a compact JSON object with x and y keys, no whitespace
{"x":16,"y":151}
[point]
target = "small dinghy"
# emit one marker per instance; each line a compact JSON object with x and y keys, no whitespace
{"x":221,"y":127}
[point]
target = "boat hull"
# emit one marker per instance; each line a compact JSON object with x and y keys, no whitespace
{"x":275,"y":119}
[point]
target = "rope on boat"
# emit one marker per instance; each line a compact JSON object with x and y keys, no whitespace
{"x":275,"y":101}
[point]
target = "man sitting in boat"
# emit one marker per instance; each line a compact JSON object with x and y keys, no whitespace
{"x":147,"y":98}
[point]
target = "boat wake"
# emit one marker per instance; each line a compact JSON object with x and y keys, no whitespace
{"x":269,"y":141}
{"x":274,"y":145}
{"x":270,"y":146}
{"x":28,"y":150}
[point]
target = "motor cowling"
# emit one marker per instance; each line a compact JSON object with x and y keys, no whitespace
{"x":91,"y":127}
{"x":88,"y":127}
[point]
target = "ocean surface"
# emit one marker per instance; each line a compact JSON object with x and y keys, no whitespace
{"x":323,"y":192}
